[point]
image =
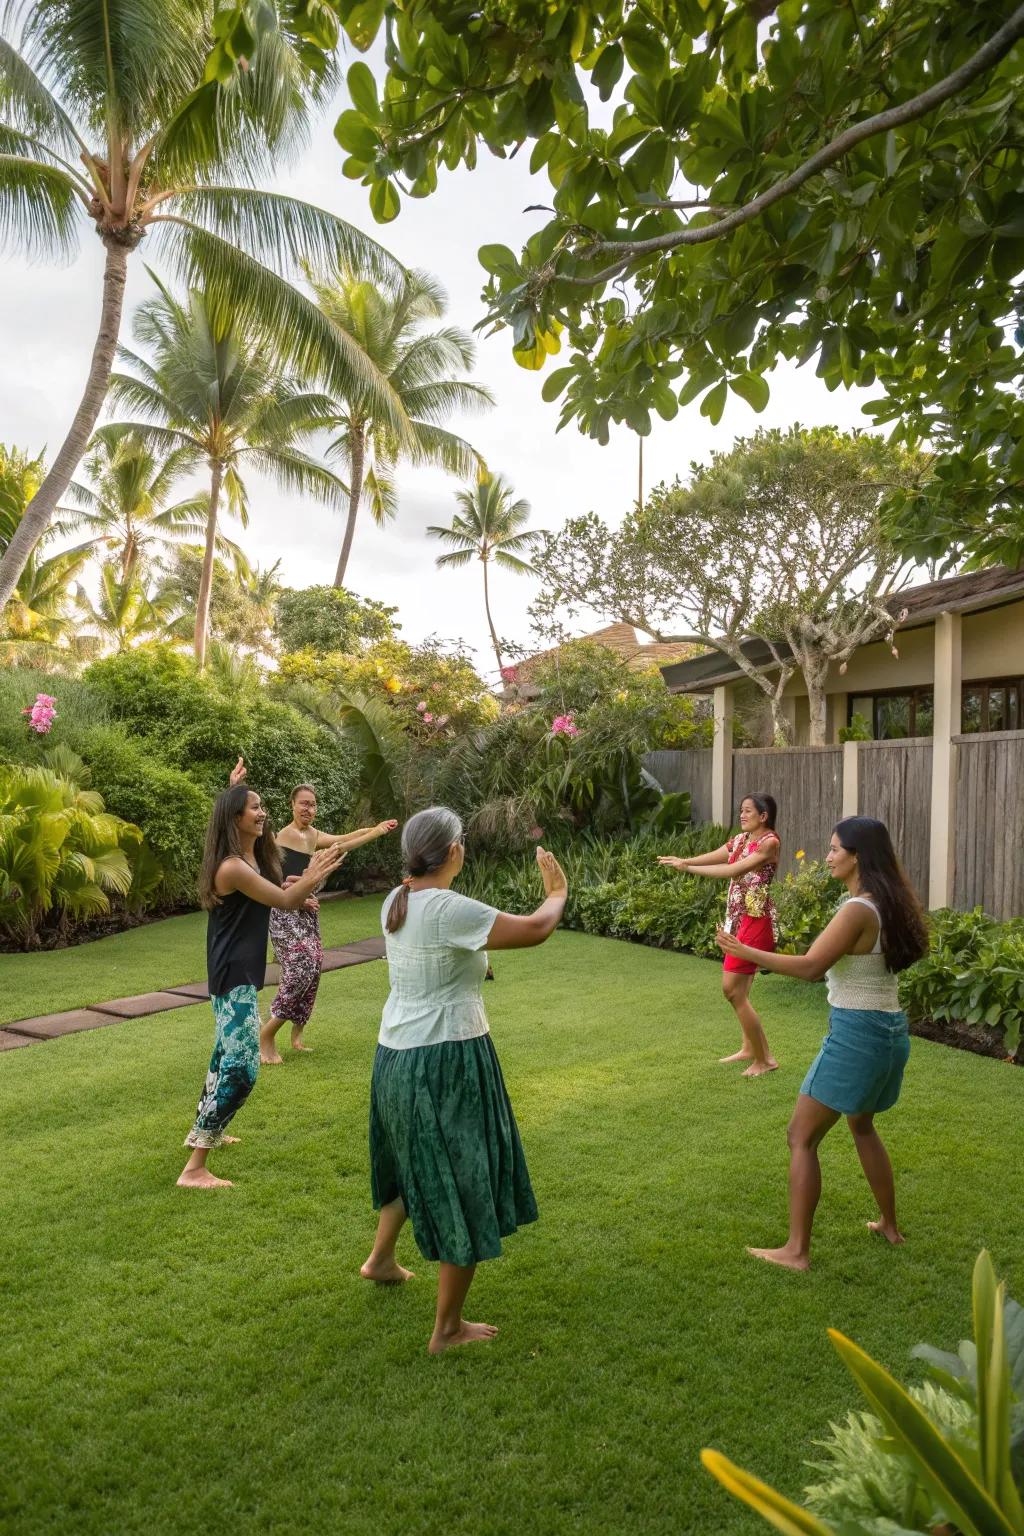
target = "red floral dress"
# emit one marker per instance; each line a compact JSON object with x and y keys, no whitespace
{"x":749,"y":909}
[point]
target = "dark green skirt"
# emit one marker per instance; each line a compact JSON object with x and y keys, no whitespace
{"x":443,"y":1137}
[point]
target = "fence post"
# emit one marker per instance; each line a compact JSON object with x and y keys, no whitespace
{"x":851,"y":778}
{"x":948,"y":659}
{"x":721,"y":758}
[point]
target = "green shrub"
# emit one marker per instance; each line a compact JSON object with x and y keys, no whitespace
{"x":806,"y":901}
{"x":63,"y":856}
{"x":973,"y":974}
{"x":78,"y":706}
{"x":165,"y":803}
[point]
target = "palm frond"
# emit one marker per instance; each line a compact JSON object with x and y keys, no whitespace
{"x":27,"y":103}
{"x":380,"y":494}
{"x":429,"y":357}
{"x":39,"y":207}
{"x":512,"y":563}
{"x":140,"y":395}
{"x":436,"y":446}
{"x":434,"y":401}
{"x":157,"y":439}
{"x":296,"y":472}
{"x":461,"y":558}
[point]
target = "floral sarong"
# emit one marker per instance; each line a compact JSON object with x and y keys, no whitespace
{"x":233,"y":1066}
{"x":299,"y":952}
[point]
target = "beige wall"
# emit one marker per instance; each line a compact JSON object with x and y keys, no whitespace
{"x":993,"y":646}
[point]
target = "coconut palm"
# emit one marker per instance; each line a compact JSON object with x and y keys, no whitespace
{"x":126,"y":508}
{"x":388,"y":328}
{"x":126,"y":612}
{"x":36,"y":612}
{"x":107,"y":118}
{"x":489,"y":527}
{"x":210,"y":386}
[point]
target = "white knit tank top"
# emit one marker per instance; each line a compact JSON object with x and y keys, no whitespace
{"x":862,"y":981}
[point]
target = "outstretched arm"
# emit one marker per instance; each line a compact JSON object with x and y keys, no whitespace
{"x":236,"y":874}
{"x":838,"y":939}
{"x":717,"y":857}
{"x":355,"y":839}
{"x":510,"y":931}
{"x":768,"y":853}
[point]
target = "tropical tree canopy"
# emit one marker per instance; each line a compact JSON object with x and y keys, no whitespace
{"x":777,"y":538}
{"x":325,"y":619}
{"x":421,"y":367}
{"x":37,"y":611}
{"x":127,"y":611}
{"x":490,"y":526}
{"x":126,"y":505}
{"x":109,"y":116}
{"x":832,"y":183}
{"x":210,"y":387}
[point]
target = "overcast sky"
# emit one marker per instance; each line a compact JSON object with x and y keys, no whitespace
{"x":48,"y":317}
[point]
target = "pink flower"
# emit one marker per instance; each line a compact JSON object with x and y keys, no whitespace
{"x":428,"y":718}
{"x":535,"y":834}
{"x":41,"y":714}
{"x":421,"y":706}
{"x":510,"y":674}
{"x":443,"y":719}
{"x":564,"y":725}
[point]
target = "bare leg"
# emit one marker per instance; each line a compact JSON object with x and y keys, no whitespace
{"x":196,"y":1175}
{"x":754,"y":1049}
{"x":382,"y":1266}
{"x":270,"y":1056}
{"x":450,"y":1329}
{"x":297,"y":1044}
{"x":809,"y":1126}
{"x":874,"y":1159}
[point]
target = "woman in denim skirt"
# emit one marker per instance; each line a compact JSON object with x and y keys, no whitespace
{"x":878,"y":931}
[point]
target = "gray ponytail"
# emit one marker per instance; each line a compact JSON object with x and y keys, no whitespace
{"x":426,"y":839}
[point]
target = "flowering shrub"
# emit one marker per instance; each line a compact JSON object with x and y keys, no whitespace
{"x":806,"y":901}
{"x":41,"y":714}
{"x":564,"y":725}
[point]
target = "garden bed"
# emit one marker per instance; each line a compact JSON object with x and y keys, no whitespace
{"x":968,"y":1037}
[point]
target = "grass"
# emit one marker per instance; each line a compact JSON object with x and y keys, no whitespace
{"x":176,"y":1362}
{"x":162,"y":954}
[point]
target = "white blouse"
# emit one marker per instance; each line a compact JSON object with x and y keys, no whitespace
{"x":863,"y":981}
{"x":436,"y":964}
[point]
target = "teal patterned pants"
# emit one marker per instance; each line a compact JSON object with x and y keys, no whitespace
{"x":233,"y":1066}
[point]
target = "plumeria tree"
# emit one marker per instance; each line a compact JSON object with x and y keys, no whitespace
{"x":209,"y":386}
{"x":422,"y":368}
{"x":154,"y":120}
{"x":490,"y":526}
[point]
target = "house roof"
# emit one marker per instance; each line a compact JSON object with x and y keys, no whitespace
{"x":970,"y":593}
{"x":622,"y":640}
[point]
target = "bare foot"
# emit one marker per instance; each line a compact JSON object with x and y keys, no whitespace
{"x":297,"y":1044}
{"x":892,"y":1234}
{"x":736,"y":1056}
{"x":466,"y":1333}
{"x":230,"y":1141}
{"x":784,"y":1257}
{"x":202,"y":1178}
{"x":759,"y":1068}
{"x":271,"y":1058}
{"x":388,"y":1273}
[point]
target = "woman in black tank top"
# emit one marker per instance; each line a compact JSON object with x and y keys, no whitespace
{"x":295,"y":935}
{"x":239,"y":885}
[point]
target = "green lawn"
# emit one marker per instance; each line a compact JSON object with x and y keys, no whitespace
{"x":176,"y":1363}
{"x":163,"y":954}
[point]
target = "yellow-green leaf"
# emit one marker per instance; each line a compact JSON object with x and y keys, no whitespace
{"x":786,"y":1517}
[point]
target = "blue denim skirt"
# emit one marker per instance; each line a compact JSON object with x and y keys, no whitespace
{"x":859,"y":1069}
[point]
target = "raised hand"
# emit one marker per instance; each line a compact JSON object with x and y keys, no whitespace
{"x":326,"y":860}
{"x":552,"y":873}
{"x":385,"y":826}
{"x":238,"y":773}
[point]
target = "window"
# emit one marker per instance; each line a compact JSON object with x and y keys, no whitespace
{"x":994,"y":705}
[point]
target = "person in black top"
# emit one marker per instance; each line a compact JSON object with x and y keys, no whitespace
{"x":296,"y":935}
{"x":239,"y":884}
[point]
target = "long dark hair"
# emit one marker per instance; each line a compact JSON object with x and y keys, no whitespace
{"x":222,"y":842}
{"x":426,"y":839}
{"x":764,"y":805}
{"x":902,"y":928}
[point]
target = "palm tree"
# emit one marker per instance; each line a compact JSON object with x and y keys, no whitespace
{"x":418,"y":365}
{"x":126,"y":613}
{"x":212,"y":389}
{"x":126,"y":506}
{"x":489,"y":527}
{"x":36,"y":612}
{"x":106,"y":116}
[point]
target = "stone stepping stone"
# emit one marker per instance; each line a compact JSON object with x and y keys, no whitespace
{"x":51,"y":1025}
{"x":338,"y":959}
{"x":195,"y":991}
{"x":371,"y":949}
{"x":144,"y":1004}
{"x":9,"y":1042}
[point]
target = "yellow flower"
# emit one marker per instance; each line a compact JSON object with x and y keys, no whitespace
{"x":393,"y":685}
{"x":799,"y":854}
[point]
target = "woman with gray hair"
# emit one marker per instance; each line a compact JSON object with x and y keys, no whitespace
{"x":444,"y":1146}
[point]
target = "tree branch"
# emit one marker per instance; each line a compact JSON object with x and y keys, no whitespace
{"x":989,"y":54}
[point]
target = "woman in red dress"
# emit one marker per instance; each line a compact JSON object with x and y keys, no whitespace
{"x":748,"y":861}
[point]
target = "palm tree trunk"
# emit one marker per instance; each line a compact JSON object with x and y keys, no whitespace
{"x":354,"y":494}
{"x":490,"y":621}
{"x":206,"y":579}
{"x":41,"y":508}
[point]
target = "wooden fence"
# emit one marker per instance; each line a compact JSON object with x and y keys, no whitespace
{"x":989,"y":868}
{"x":895,"y":785}
{"x":689,"y":771}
